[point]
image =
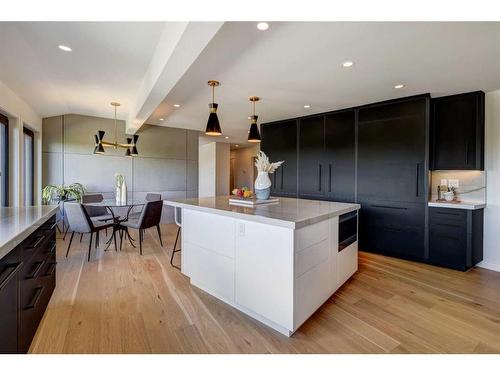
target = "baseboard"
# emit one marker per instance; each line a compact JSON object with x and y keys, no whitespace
{"x":489,"y":265}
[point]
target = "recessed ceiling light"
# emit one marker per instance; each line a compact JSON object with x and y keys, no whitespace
{"x":399,"y":86}
{"x":65,"y":48}
{"x":236,"y":145}
{"x":177,"y":105}
{"x":249,"y":117}
{"x":347,"y":64}
{"x":226,"y":137}
{"x":307,"y":106}
{"x":262,"y":26}
{"x":162,"y":119}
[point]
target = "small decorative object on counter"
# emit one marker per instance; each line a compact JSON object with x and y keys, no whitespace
{"x":448,"y":196}
{"x":264,"y":168}
{"x":121,"y":188}
{"x":242,"y":192}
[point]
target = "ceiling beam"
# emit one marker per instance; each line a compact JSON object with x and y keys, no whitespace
{"x":179,"y":46}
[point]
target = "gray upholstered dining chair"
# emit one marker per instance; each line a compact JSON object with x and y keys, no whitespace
{"x":150,"y":217}
{"x":80,"y":222}
{"x":150,"y":197}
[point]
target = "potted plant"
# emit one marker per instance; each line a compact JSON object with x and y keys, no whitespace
{"x":63,"y":192}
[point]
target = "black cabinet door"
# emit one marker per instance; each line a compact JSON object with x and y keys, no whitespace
{"x":392,"y":151}
{"x":340,"y":158}
{"x":9,"y":291}
{"x":279,"y":142}
{"x":458,"y":132}
{"x":311,"y":157}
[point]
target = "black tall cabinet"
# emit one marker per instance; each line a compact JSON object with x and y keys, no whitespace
{"x":392,"y":176}
{"x":279,"y":142}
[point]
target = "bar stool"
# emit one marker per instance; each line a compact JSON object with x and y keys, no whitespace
{"x":178,"y":221}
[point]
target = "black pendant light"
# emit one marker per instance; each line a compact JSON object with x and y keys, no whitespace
{"x":213,"y":126}
{"x":100,"y":143}
{"x":254,"y":134}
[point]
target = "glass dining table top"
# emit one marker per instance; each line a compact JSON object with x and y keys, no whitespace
{"x":115,"y":203}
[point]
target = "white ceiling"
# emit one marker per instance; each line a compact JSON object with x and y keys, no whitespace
{"x":108,"y":63}
{"x":289,"y":65}
{"x":297,"y":63}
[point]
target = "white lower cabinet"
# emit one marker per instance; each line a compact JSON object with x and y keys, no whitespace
{"x":264,"y":271}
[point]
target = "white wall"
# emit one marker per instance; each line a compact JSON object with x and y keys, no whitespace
{"x":206,"y":170}
{"x":213,"y":169}
{"x":21,"y":115}
{"x":492,"y":167}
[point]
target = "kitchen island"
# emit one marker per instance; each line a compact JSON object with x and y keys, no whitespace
{"x":277,"y":263}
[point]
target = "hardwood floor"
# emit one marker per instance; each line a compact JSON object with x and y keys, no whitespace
{"x":125,"y":303}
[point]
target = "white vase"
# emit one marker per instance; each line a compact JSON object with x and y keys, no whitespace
{"x":123,"y":192}
{"x":262,"y":185}
{"x":118,"y":194}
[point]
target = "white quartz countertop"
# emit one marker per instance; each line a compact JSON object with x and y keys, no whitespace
{"x":17,"y":223}
{"x":464,"y":205}
{"x":289,"y":212}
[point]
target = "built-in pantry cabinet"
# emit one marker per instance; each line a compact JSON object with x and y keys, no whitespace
{"x":379,"y":155}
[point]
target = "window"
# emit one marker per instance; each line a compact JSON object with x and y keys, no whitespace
{"x":4,"y":160}
{"x":28,"y":167}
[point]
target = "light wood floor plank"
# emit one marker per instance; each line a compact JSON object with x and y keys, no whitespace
{"x":121,"y":302}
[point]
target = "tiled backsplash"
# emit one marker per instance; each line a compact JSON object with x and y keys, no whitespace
{"x":472,"y":184}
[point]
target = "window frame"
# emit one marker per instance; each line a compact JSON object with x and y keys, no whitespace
{"x":32,"y":177}
{"x":4,"y":120}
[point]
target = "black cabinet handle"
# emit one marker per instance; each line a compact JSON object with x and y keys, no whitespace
{"x":319,"y":181}
{"x":35,"y":245}
{"x":8,"y":273}
{"x":34,"y":300}
{"x":329,"y":178}
{"x":390,"y":207}
{"x":282,"y":173}
{"x":417,"y":178}
{"x":447,"y":213}
{"x":466,"y":152}
{"x":51,"y":270}
{"x":36,"y":270}
{"x":52,"y":249}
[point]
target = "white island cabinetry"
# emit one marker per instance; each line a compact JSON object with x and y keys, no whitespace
{"x":277,"y":263}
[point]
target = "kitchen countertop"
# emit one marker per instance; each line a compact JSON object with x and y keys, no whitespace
{"x":289,"y":212}
{"x":464,"y":205}
{"x":17,"y":223}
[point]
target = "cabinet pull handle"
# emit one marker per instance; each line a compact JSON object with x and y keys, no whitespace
{"x":282,"y":173}
{"x":417,"y":178}
{"x":319,"y":182}
{"x":36,"y":270}
{"x":390,"y":207}
{"x":466,"y":152}
{"x":329,"y":178}
{"x":34,"y":300}
{"x":38,"y":242}
{"x":52,"y":249}
{"x":447,"y":213}
{"x":51,"y":270}
{"x":6,"y":276}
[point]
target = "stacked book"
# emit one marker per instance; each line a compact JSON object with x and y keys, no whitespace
{"x":251,"y":202}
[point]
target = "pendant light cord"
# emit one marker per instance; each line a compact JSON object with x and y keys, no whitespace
{"x":116,"y":130}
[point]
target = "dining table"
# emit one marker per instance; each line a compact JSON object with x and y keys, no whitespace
{"x":116,"y":208}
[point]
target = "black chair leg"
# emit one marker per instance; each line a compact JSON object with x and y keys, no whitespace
{"x":114,"y":238}
{"x":159,"y":233}
{"x":96,"y":240}
{"x":141,"y":236}
{"x":106,"y":232}
{"x":81,"y":237}
{"x":122,"y":232}
{"x":69,"y":245}
{"x":174,"y":250}
{"x":90,"y":246}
